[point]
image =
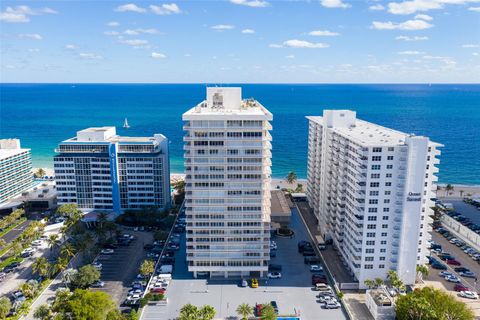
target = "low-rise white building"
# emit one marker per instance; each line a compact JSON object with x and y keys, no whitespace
{"x":100,"y":170}
{"x":371,"y":188}
{"x":15,"y":169}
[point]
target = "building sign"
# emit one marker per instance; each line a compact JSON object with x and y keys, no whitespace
{"x":112,"y":150}
{"x":414,"y":196}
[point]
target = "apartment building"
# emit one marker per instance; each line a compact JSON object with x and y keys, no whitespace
{"x":371,"y":188}
{"x":100,"y":170}
{"x":227,"y":165}
{"x":15,"y":169}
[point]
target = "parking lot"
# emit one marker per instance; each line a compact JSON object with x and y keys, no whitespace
{"x":121,"y":268}
{"x":434,"y":279}
{"x":467,"y":210}
{"x":293,"y":293}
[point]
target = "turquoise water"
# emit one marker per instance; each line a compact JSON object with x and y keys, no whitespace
{"x":42,"y":115}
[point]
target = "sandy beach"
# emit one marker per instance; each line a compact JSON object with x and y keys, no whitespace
{"x":459,"y":190}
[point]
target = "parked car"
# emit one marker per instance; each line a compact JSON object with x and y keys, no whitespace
{"x":11,"y":267}
{"x":334,"y":304}
{"x":315,"y":268}
{"x":274,"y":275}
{"x":468,"y":295}
{"x":445,"y":273}
{"x":461,"y":269}
{"x":453,"y":279}
{"x":311,"y":260}
{"x":243,"y":283}
{"x":308,"y":253}
{"x":97,"y":265}
{"x":439,"y":266}
{"x":107,"y":251}
{"x":98,"y":284}
{"x":322,"y":287}
{"x":274,"y":306}
{"x":37,"y":243}
{"x":460,"y":287}
{"x":468,"y":274}
{"x":274,"y":267}
{"x":454,"y":262}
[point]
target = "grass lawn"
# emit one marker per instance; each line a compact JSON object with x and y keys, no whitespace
{"x":7,"y":230}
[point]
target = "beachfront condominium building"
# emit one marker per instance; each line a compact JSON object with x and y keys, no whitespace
{"x":227,"y":165}
{"x":15,"y":169}
{"x":100,"y":170}
{"x":371,"y":188}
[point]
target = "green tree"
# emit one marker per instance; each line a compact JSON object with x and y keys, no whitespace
{"x":53,"y":241}
{"x":422,"y":271}
{"x":43,"y":312}
{"x":395,"y":280}
{"x":369,"y":283}
{"x":378,"y":282}
{"x":2,"y":243}
{"x":147,"y":267}
{"x":461,"y":193}
{"x":179,"y":186}
{"x":85,"y":276}
{"x":133,"y":315}
{"x":206,"y":312}
{"x":244,"y":310}
{"x":291,"y":177}
{"x":85,"y":305}
{"x":40,"y":173}
{"x":29,"y":288}
{"x":448,"y":188}
{"x":267,"y":312}
{"x":5,"y":306}
{"x":431,"y":304}
{"x":41,"y":266}
{"x":69,"y":210}
{"x":188,"y":312}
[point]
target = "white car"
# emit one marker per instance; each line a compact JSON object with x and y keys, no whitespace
{"x":332,"y":305}
{"x":315,"y":267}
{"x":468,"y":295}
{"x":37,"y":243}
{"x":452,"y":279}
{"x":28,"y":251}
{"x":107,"y":251}
{"x":97,"y":265}
{"x":98,"y":284}
{"x":274,"y":275}
{"x":445,"y":274}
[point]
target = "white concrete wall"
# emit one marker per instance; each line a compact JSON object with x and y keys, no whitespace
{"x":462,"y":232}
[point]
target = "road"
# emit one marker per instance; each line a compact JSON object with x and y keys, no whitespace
{"x":14,"y":279}
{"x":15,"y":232}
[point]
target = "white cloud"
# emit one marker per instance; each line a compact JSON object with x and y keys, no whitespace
{"x":248,"y":31}
{"x":111,"y":33}
{"x":334,"y":4}
{"x":71,"y":47}
{"x":425,"y":17}
{"x":222,"y":27}
{"x":135,"y":42}
{"x":158,"y":55}
{"x":19,"y":14}
{"x":290,"y":56}
{"x":138,"y":31}
{"x":377,"y":7}
{"x":90,"y":56}
{"x":471,"y":46}
{"x":166,"y":9}
{"x":449,"y":62}
{"x":251,"y":3}
{"x":476,"y":9}
{"x":113,"y":24}
{"x":474,"y":53}
{"x":130,"y":7}
{"x":273,"y":45}
{"x":407,"y":25}
{"x":34,"y":50}
{"x":415,"y":38}
{"x":33,"y":36}
{"x":412,"y":6}
{"x":323,"y":33}
{"x":410,"y":52}
{"x":294,"y":43}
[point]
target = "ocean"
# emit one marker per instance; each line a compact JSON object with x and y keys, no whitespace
{"x":42,"y":115}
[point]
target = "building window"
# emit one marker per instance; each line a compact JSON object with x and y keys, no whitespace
{"x":381,"y":266}
{"x":368,"y":266}
{"x":388,"y":184}
{"x":383,"y":242}
{"x":368,"y":258}
{"x":374,"y":193}
{"x":376,"y":167}
{"x":377,"y":150}
{"x":389,"y":166}
{"x":371,"y":243}
{"x":374,"y":184}
{"x":389,"y":175}
{"x":372,"y":218}
{"x":386,"y":209}
{"x":383,"y":250}
{"x":373,"y":201}
{"x":387,"y":193}
{"x":390,"y":158}
{"x":372,"y":209}
{"x":375,"y":176}
{"x":385,"y":218}
{"x":377,"y":158}
{"x":369,"y":250}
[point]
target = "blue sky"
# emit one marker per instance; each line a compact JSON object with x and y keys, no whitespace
{"x":250,"y":41}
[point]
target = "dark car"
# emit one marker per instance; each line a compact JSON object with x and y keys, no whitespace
{"x":311,"y":260}
{"x":11,"y":267}
{"x":319,"y":278}
{"x":460,"y":287}
{"x":274,"y":267}
{"x":274,"y":306}
{"x":305,"y":246}
{"x":110,"y":246}
{"x":453,"y":262}
{"x":308,"y":253}
{"x":439,"y":266}
{"x":148,"y":246}
{"x":461,"y":269}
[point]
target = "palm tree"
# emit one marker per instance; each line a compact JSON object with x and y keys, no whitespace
{"x":60,"y":265}
{"x":448,"y":188}
{"x":40,"y":173}
{"x":188,"y":312}
{"x":206,"y":312}
{"x":42,"y":312}
{"x":378,"y":282}
{"x":5,"y":306}
{"x":67,"y":252}
{"x":53,"y":241}
{"x":461,"y":193}
{"x":291,"y":177}
{"x":28,"y":290}
{"x":41,"y":267}
{"x":369,"y":283}
{"x":395,"y":279}
{"x":244,"y":310}
{"x":422,"y":271}
{"x":2,"y":242}
{"x":268,"y":313}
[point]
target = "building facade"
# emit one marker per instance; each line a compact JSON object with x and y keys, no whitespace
{"x":15,"y":169}
{"x":370,"y":188}
{"x":100,"y":170}
{"x":228,"y":172}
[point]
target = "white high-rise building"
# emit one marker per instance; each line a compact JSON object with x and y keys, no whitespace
{"x":227,"y":166}
{"x":99,"y":169}
{"x":371,"y":188}
{"x":15,"y":169}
